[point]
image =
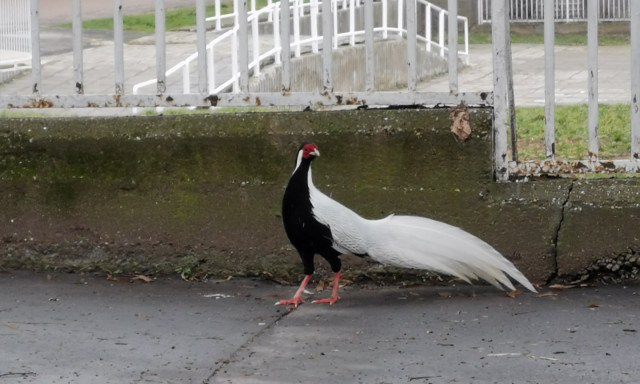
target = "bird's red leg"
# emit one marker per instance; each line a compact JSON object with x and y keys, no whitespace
{"x":297,"y":298}
{"x":334,"y":292}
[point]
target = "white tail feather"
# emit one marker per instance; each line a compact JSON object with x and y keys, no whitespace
{"x":415,"y":242}
{"x":418,"y":242}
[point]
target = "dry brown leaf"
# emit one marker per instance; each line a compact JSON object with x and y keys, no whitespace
{"x":561,"y":286}
{"x":594,"y":305}
{"x":514,"y":294}
{"x":10,"y":326}
{"x":460,"y":117}
{"x":320,"y":286}
{"x":548,"y":294}
{"x":144,"y":278}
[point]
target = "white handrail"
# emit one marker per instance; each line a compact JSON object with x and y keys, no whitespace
{"x":271,"y":12}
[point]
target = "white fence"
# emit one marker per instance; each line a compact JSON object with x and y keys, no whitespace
{"x":432,"y":34}
{"x":532,"y":11}
{"x":15,"y":36}
{"x":591,"y":160}
{"x":406,"y":28}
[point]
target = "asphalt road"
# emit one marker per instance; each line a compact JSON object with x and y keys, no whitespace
{"x":66,"y":328}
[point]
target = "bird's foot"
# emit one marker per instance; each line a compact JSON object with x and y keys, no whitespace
{"x":331,"y":300}
{"x":295,"y":301}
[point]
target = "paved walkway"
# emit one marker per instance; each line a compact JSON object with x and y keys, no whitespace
{"x":528,"y":74}
{"x":66,"y":328}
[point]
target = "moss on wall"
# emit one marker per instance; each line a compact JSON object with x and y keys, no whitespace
{"x":189,"y":193}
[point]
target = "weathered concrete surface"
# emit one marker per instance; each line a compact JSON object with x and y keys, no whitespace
{"x":70,"y":328}
{"x":601,"y":220}
{"x":201,"y":193}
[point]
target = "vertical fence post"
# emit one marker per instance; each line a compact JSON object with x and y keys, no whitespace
{"x":412,"y":61}
{"x":118,"y":46}
{"x":76,"y":26}
{"x":592,"y":77}
{"x":35,"y":47}
{"x":634,"y":13}
{"x":161,"y":62}
{"x":285,"y":45}
{"x":368,"y":46}
{"x":500,"y":146}
{"x":201,"y":31}
{"x":510,"y":94}
{"x":243,"y":50}
{"x":327,"y":46}
{"x":453,"y":46}
{"x":549,"y":80}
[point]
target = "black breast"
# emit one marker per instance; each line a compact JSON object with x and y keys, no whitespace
{"x":306,"y":234}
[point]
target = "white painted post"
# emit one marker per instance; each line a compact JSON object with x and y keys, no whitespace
{"x":510,"y":94}
{"x":218,"y":13}
{"x":500,"y":146}
{"x":412,"y":60}
{"x":76,"y":27}
{"x":385,"y":15}
{"x":285,"y":53}
{"x":592,"y":77}
{"x":296,"y":26}
{"x":335,"y":24}
{"x":368,"y":46}
{"x":161,"y":61}
{"x":352,"y":22}
{"x":36,"y":76}
{"x":400,"y":14}
{"x":634,"y":13}
{"x":255,"y":40}
{"x":327,"y":43}
{"x":201,"y":32}
{"x":441,"y":32}
{"x":549,"y":81}
{"x":243,"y":50}
{"x":453,"y":46}
{"x":275,"y":16}
{"x":314,"y":25}
{"x":428,"y":26}
{"x":118,"y":47}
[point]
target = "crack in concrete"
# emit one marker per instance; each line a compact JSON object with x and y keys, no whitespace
{"x":226,"y":362}
{"x":554,"y":274}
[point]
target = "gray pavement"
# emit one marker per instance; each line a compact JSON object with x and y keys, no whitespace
{"x":65,"y":328}
{"x":528,"y":74}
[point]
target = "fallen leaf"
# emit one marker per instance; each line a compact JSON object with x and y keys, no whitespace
{"x":143,"y":278}
{"x":594,"y":305}
{"x":514,"y":294}
{"x":320,"y":286}
{"x":460,"y":117}
{"x":548,"y":294}
{"x":561,"y":286}
{"x":10,"y":326}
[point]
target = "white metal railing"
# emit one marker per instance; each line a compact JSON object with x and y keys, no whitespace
{"x":532,"y":11}
{"x":248,"y":47}
{"x":591,"y":160}
{"x":15,"y":35}
{"x":435,"y":19}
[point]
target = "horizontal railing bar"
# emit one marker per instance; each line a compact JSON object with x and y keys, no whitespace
{"x":250,"y":99}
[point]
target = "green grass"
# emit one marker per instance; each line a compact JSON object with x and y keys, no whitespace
{"x":175,"y":19}
{"x":571,"y":132}
{"x":477,"y":37}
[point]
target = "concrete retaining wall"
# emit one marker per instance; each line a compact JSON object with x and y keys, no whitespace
{"x":348,"y":69}
{"x":202,"y":193}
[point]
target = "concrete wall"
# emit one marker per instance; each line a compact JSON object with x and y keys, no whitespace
{"x":202,"y":193}
{"x":390,"y":61}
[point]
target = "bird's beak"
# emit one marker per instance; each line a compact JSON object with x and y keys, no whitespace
{"x":315,"y":153}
